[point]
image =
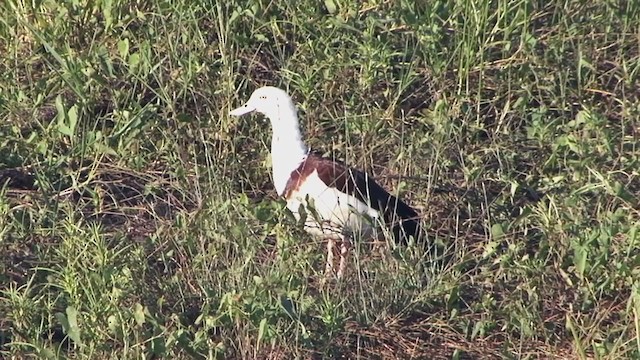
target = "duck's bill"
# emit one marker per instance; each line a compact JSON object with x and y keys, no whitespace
{"x":244,"y":109}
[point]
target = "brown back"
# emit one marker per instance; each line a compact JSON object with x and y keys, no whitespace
{"x":400,"y":217}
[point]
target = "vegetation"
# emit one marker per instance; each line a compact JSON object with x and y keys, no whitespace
{"x":138,"y":220}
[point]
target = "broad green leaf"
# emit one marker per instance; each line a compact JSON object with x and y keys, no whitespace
{"x":60,"y":115}
{"x":261,"y":329}
{"x":107,"y":6}
{"x":497,"y":232}
{"x":331,"y":6}
{"x":74,"y":328}
{"x":69,"y":323}
{"x":113,"y":323}
{"x":123,"y":48}
{"x":134,"y":60}
{"x":72,"y":117}
{"x":65,"y":130}
{"x":138,"y":313}
{"x":580,"y":256}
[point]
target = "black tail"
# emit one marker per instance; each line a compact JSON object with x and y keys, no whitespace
{"x":403,"y":220}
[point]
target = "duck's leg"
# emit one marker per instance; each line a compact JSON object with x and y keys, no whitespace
{"x":345,"y":247}
{"x":331,"y":243}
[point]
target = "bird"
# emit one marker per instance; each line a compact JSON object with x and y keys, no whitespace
{"x":335,"y":202}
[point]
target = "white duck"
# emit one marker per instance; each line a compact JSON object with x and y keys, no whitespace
{"x":341,"y":203}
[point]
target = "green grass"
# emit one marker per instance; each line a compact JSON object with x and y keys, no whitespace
{"x":137,"y":220}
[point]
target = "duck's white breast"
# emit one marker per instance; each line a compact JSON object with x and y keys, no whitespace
{"x":330,"y":210}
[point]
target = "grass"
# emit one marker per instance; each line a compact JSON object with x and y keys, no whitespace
{"x":137,"y":220}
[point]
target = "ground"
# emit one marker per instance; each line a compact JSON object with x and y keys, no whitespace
{"x":138,"y":220}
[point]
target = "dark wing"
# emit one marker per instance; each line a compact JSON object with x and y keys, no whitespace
{"x":401,"y":218}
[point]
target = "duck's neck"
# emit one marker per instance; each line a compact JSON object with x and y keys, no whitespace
{"x":288,"y":150}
